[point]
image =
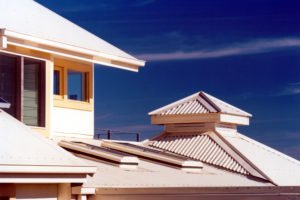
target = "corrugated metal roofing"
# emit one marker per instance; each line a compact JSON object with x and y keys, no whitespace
{"x":280,"y":168}
{"x":153,"y":175}
{"x":20,"y":146}
{"x":199,"y":103}
{"x":200,"y":147}
{"x":225,"y":107}
{"x":191,"y":107}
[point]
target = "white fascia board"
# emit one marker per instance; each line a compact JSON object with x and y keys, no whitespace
{"x":42,"y":178}
{"x":54,"y":44}
{"x":3,"y":42}
{"x":234,"y":119}
{"x":6,"y":169}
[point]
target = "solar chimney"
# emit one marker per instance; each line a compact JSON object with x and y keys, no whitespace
{"x":4,"y":103}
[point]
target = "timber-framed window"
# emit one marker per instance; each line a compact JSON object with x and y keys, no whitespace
{"x":22,"y":83}
{"x":72,"y":85}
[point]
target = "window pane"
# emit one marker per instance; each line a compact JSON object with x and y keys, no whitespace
{"x":33,"y":101}
{"x":76,"y":85}
{"x":56,"y":83}
{"x":8,"y":82}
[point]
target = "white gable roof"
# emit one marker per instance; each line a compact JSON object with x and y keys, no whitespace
{"x":31,"y":19}
{"x":24,"y":151}
{"x":199,"y":103}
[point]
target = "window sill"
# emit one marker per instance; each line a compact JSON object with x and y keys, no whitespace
{"x":60,"y":102}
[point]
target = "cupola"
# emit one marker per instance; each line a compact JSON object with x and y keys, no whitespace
{"x":199,"y":108}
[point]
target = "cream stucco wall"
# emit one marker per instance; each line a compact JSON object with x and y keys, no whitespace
{"x":72,"y":123}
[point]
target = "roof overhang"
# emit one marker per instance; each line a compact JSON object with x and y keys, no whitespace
{"x":42,"y":178}
{"x":47,"y":169}
{"x":8,"y":37}
{"x":200,"y":118}
{"x":44,"y":174}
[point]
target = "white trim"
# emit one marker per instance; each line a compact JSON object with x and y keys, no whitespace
{"x":233,"y":119}
{"x":42,"y":178}
{"x":47,"y":169}
{"x":71,"y":56}
{"x":3,"y":42}
{"x":72,"y":48}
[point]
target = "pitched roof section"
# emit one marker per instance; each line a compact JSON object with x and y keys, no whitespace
{"x":199,"y":103}
{"x":28,"y":20}
{"x":199,"y":147}
{"x":224,"y":107}
{"x":280,"y":168}
{"x":24,"y":151}
{"x":153,"y":175}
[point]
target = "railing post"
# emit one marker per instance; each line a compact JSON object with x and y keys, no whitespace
{"x":108,"y":134}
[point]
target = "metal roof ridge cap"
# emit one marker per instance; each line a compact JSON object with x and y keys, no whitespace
{"x":77,"y":49}
{"x":190,"y":97}
{"x":259,"y":171}
{"x":209,"y":101}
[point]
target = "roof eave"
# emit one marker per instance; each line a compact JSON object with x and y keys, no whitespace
{"x":27,"y":41}
{"x":200,"y":118}
{"x":36,"y":169}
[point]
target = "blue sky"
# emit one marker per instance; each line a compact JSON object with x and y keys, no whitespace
{"x":244,"y":52}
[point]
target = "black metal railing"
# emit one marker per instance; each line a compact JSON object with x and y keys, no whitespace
{"x":116,"y":134}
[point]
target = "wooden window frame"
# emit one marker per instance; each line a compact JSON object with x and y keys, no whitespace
{"x":61,"y":82}
{"x":62,"y":100}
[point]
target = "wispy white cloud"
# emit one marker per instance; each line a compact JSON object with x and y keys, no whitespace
{"x":290,"y":89}
{"x":251,"y":47}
